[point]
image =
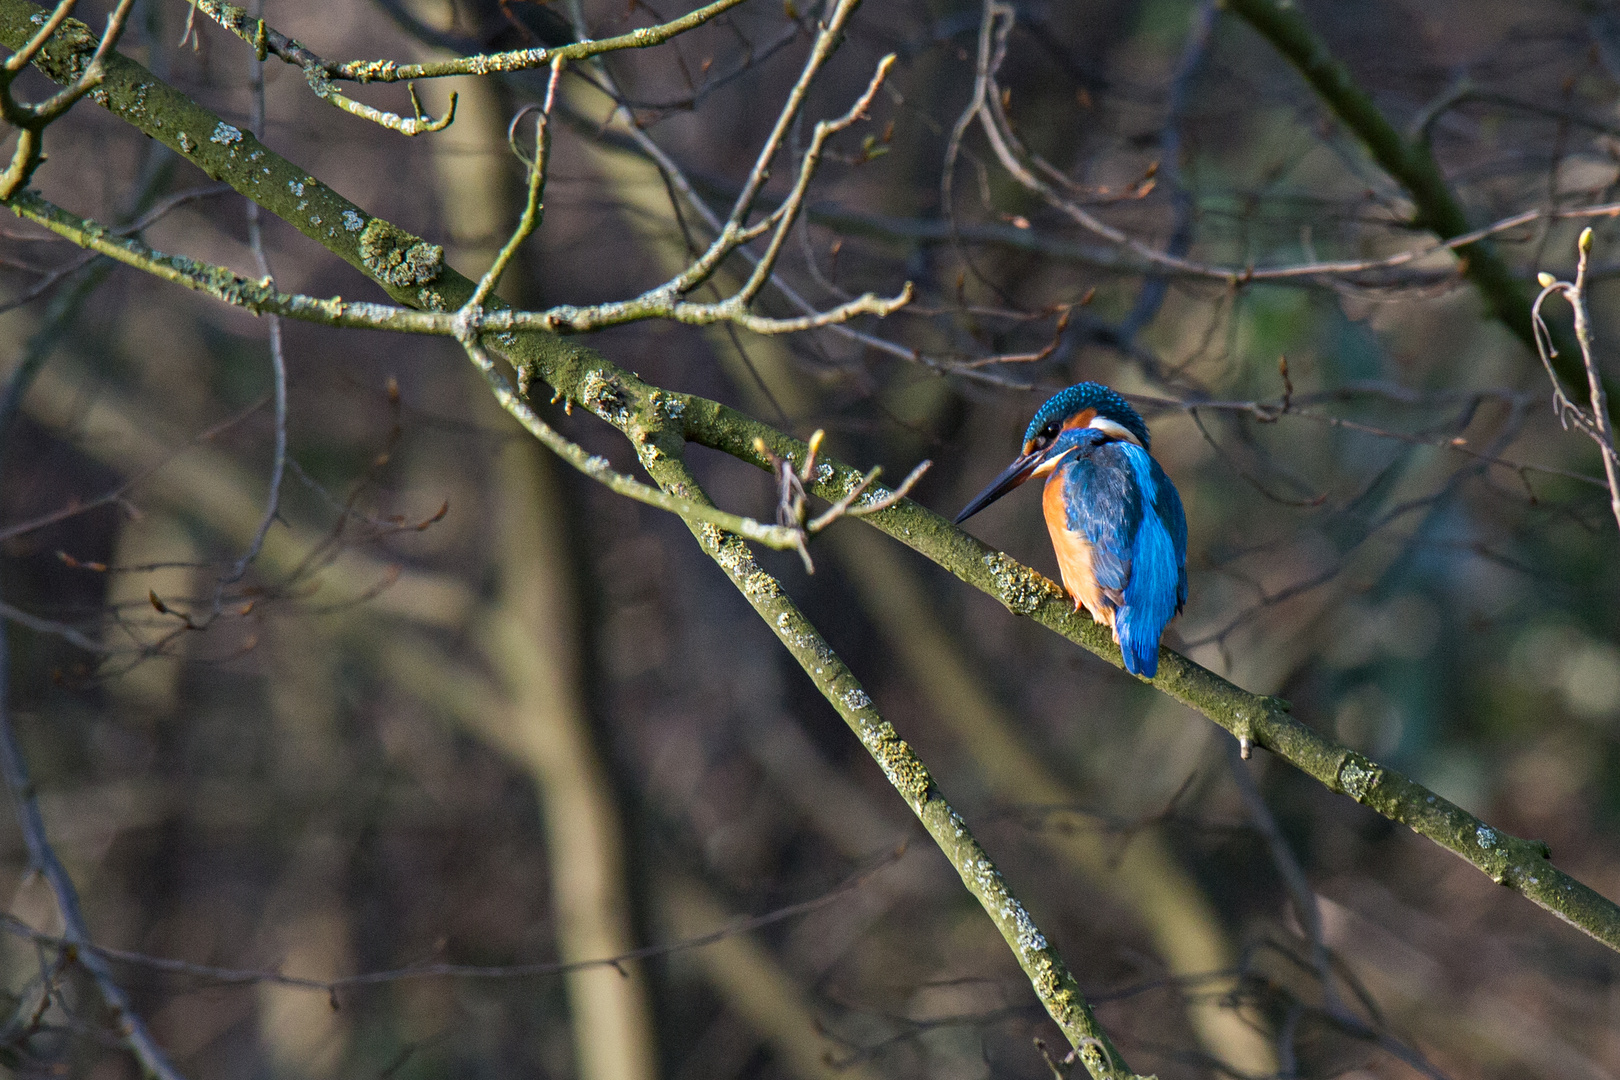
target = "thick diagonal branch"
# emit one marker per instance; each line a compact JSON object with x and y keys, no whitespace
{"x":410,"y":271}
{"x":1053,"y":983}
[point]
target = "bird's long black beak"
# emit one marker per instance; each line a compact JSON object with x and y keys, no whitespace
{"x":1015,"y":474}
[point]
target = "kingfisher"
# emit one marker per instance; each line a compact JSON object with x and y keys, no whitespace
{"x":1115,"y":518}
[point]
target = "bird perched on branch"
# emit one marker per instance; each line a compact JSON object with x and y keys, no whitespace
{"x":1115,"y":518}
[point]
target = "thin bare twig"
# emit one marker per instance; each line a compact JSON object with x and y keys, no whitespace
{"x":322,"y":74}
{"x":533,"y":207}
{"x":1596,"y":423}
{"x":598,"y":468}
{"x":735,"y":232}
{"x":253,"y":976}
{"x":49,"y":626}
{"x":278,"y":358}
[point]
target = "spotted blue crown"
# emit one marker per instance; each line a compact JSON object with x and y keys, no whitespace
{"x":1089,"y":395}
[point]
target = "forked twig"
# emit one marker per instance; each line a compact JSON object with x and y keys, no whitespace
{"x":793,"y":501}
{"x":31,"y":120}
{"x":668,"y":301}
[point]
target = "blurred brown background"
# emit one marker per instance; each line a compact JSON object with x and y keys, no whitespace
{"x":545,"y":727}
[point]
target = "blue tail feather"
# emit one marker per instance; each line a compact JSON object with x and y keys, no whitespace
{"x":1141,"y":654}
{"x":1157,"y":588}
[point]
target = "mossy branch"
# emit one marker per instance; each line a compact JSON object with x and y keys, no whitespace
{"x":1054,"y":984}
{"x":1522,"y":865}
{"x":413,"y":273}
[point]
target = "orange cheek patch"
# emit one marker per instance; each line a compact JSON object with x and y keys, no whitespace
{"x":1081,"y":419}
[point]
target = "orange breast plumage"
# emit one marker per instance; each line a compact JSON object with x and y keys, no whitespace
{"x":1074,"y":558}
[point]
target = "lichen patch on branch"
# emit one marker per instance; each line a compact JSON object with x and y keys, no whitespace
{"x":397,"y":258}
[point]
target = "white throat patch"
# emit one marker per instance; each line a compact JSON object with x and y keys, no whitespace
{"x":1045,"y":468}
{"x":1114,"y":429}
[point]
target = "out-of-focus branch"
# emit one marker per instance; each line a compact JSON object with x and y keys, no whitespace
{"x":1595,"y":423}
{"x":1026,"y":168}
{"x":1421,"y":127}
{"x":1120,"y":254}
{"x":69,"y":634}
{"x":755,"y":986}
{"x":1288,"y":868}
{"x":84,"y":276}
{"x":531,"y":640}
{"x":1321,"y":960}
{"x":421,"y":669}
{"x":1409,"y":161}
{"x":153,"y":1062}
{"x":409,"y":270}
{"x":1156,"y":287}
{"x":203,"y":481}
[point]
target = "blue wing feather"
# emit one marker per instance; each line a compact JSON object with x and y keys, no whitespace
{"x":1139,"y":557}
{"x":1170,"y":512}
{"x":1104,"y":505}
